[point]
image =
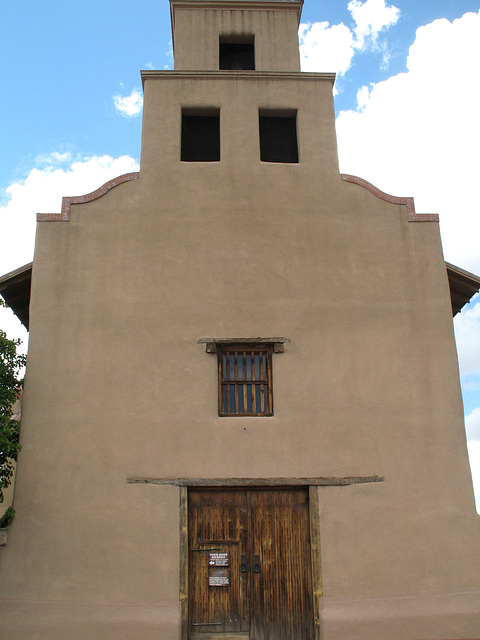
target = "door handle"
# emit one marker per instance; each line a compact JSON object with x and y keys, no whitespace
{"x":243,"y":563}
{"x":256,"y":564}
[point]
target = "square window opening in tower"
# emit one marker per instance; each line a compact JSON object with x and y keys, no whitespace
{"x":237,"y":53}
{"x":200,"y":135}
{"x":278,"y":136}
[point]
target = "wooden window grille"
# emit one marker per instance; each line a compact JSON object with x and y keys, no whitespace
{"x":245,"y":381}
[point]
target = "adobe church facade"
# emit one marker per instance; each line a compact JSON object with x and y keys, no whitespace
{"x":242,"y":415}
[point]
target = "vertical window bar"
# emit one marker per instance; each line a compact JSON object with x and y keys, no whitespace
{"x":240,"y":410}
{"x":270,"y":385}
{"x":249,"y":398}
{"x":258,"y":406}
{"x":254,"y":406}
{"x":221,"y":367}
{"x":262,"y":386}
{"x":244,"y":386}
{"x":227,"y":377}
{"x":236,"y":381}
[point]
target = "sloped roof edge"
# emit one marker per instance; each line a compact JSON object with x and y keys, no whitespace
{"x":15,"y":290}
{"x":463,"y":286}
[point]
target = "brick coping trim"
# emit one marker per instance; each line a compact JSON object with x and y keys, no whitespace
{"x":67,"y":201}
{"x":407,"y":201}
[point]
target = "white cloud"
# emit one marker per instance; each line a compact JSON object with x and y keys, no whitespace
{"x":418,"y":133}
{"x":371,"y":17}
{"x":467,"y":335}
{"x":331,"y":48}
{"x":14,"y":328}
{"x":363,"y":97}
{"x":129,"y":106}
{"x":474,"y":455}
{"x":472,"y":425}
{"x":326,"y":48}
{"x":169,"y":56}
{"x":54,"y":159}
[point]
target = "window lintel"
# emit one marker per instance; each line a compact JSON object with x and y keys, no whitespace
{"x":277,"y":343}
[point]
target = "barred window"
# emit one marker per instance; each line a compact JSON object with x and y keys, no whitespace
{"x":245,"y":381}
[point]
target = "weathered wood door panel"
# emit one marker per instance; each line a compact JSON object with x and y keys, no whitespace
{"x":267,"y":532}
{"x":216,"y":524}
{"x":282,"y":590}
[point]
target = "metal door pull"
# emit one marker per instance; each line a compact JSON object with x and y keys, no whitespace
{"x":243,"y":563}
{"x":256,"y":564}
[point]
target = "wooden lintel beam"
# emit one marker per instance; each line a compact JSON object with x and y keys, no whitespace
{"x":259,"y":482}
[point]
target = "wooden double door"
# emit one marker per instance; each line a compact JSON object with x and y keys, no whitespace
{"x":249,"y":564}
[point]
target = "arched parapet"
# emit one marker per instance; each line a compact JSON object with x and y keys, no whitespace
{"x":407,"y":201}
{"x":67,"y":201}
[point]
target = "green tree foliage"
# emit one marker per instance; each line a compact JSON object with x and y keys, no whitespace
{"x":7,"y":518}
{"x":11,"y":365}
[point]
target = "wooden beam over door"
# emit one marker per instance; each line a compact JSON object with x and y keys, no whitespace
{"x":334,"y":481}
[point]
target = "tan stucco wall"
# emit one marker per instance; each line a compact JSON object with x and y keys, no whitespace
{"x":117,"y":385}
{"x":274,"y":25}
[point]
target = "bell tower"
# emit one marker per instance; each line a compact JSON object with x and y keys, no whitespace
{"x":236,"y":99}
{"x":236,"y":35}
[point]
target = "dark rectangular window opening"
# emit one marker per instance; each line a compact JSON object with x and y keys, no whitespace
{"x":237,"y":53}
{"x":278,"y":137}
{"x":200,"y":135}
{"x":245,"y":381}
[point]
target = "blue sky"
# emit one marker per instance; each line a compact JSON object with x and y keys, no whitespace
{"x":407,"y":101}
{"x":61,"y":63}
